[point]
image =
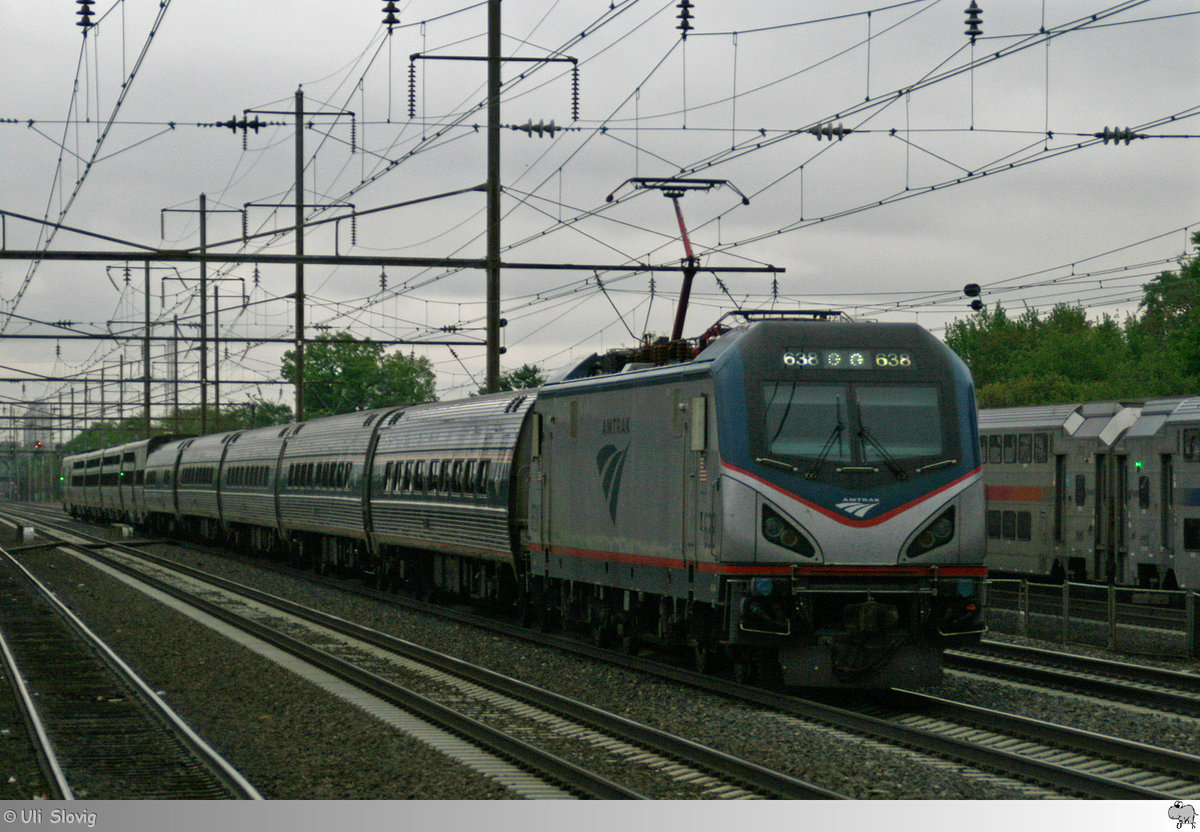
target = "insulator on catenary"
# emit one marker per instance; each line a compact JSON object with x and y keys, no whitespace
{"x":390,"y":15}
{"x":1117,"y":135}
{"x":412,"y":89}
{"x":974,"y":21}
{"x":575,"y":92}
{"x":830,"y":131}
{"x":685,"y":17}
{"x":529,"y":128}
{"x":85,"y":15}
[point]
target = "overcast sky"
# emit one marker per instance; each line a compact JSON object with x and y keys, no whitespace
{"x":888,"y":223}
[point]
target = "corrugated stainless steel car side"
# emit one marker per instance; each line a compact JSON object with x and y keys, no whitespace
{"x":196,"y":493}
{"x":442,"y":475}
{"x":321,"y":467}
{"x":248,"y":479}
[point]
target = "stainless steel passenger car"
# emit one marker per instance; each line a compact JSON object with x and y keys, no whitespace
{"x":450,"y":478}
{"x":107,"y":484}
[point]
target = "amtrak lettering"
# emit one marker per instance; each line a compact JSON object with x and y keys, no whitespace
{"x":610,"y":463}
{"x":860,"y":507}
{"x":614,"y":425}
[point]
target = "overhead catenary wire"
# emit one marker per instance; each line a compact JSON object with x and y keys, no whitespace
{"x":547,"y":207}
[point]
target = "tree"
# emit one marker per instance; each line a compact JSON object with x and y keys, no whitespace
{"x":255,"y":413}
{"x":343,"y":374}
{"x":1165,"y":333}
{"x":528,"y":376}
{"x":106,"y":435}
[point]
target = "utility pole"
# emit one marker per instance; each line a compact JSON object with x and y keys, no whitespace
{"x":299,"y":254}
{"x":175,"y":370}
{"x":146,"y":356}
{"x":493,"y":198}
{"x":203,"y":314}
{"x":298,"y":114}
{"x":121,"y":388}
{"x":217,"y":355}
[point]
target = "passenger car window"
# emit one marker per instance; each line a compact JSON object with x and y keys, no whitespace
{"x":1041,"y":447}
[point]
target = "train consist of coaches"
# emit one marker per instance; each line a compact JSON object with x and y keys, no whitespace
{"x":802,"y":496}
{"x":1103,"y":491}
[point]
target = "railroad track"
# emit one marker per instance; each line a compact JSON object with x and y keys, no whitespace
{"x":421,"y":681}
{"x":1135,"y":766}
{"x":97,"y":730}
{"x":1064,"y":761}
{"x":1141,"y":685}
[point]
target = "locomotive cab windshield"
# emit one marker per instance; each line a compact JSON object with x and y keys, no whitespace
{"x":861,"y":414}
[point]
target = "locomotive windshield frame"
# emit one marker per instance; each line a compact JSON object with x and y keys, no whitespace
{"x":889,"y":415}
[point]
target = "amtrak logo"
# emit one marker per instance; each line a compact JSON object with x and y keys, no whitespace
{"x":610,"y":463}
{"x":860,"y":507}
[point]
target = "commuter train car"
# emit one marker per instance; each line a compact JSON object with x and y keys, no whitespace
{"x":802,"y":497}
{"x":1100,"y":491}
{"x":106,"y":485}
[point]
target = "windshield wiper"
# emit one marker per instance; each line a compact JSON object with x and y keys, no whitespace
{"x":888,"y":459}
{"x":836,"y":433}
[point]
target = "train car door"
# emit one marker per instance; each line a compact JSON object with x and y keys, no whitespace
{"x":1121,"y":508}
{"x":1111,"y":517}
{"x":218,"y":477}
{"x":1103,"y":565}
{"x":1166,"y":501}
{"x":175,"y":480}
{"x":368,"y":488}
{"x":280,"y":479}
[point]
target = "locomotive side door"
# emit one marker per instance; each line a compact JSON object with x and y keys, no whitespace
{"x":697,"y":488}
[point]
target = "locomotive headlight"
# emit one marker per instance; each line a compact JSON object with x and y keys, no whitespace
{"x":782,"y":533}
{"x":762,"y":587}
{"x":943,"y":528}
{"x":938,"y":533}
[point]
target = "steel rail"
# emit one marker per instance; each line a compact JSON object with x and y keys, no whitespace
{"x":60,"y":789}
{"x":963,"y":751}
{"x":1177,"y":763}
{"x":1168,"y":689}
{"x":228,"y":776}
{"x":774,"y":783}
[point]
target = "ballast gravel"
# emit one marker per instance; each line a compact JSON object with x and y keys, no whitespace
{"x":294,"y":741}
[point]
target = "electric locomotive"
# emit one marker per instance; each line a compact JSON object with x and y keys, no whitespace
{"x":804,"y":496}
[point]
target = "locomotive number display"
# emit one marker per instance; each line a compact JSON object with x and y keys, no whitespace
{"x":847,"y":359}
